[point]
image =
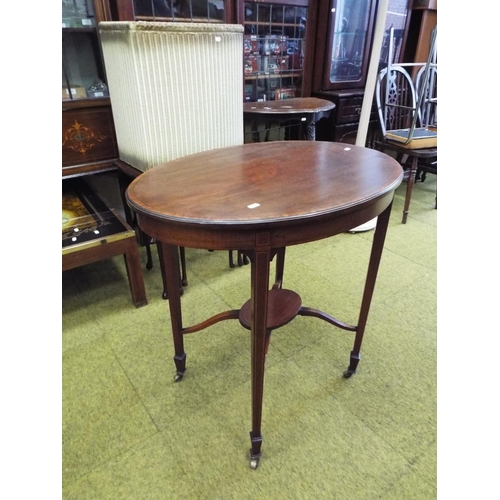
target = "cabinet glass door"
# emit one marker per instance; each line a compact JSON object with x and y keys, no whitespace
{"x":274,"y":47}
{"x":82,"y":69}
{"x":173,"y":10}
{"x":350,"y":38}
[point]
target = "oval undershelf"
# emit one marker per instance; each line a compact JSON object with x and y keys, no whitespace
{"x":283,"y":305}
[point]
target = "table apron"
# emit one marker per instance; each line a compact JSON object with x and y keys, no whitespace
{"x":272,"y":235}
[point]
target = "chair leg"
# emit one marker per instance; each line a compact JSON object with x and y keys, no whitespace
{"x":184,"y":280}
{"x":231,"y":260}
{"x":145,"y":241}
{"x":241,"y":259}
{"x":149,"y":263}
{"x":409,"y":188}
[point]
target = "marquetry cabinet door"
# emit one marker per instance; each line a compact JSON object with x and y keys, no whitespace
{"x":88,"y":139}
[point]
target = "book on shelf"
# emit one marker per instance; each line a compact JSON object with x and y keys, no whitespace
{"x":421,"y":138}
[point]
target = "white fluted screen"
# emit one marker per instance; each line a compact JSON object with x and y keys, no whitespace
{"x":175,"y":88}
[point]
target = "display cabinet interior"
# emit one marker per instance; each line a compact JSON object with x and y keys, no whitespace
{"x":275,"y":49}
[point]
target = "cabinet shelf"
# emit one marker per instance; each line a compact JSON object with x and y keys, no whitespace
{"x":79,"y":30}
{"x":266,"y":76}
{"x":95,"y":102}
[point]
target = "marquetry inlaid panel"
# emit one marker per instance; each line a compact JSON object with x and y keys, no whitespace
{"x":87,"y":136}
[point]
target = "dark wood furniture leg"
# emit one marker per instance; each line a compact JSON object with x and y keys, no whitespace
{"x":124,"y":181}
{"x":311,"y":132}
{"x":255,"y":131}
{"x":259,"y":260}
{"x":231,"y":260}
{"x":280,"y":268}
{"x":134,"y":272}
{"x":241,"y":258}
{"x":170,"y":258}
{"x":371,"y":277}
{"x":182,"y":277}
{"x":268,"y":130}
{"x":182,"y":257}
{"x":409,"y":187}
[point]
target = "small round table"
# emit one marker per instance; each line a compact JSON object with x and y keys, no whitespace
{"x":261,"y":198}
{"x":305,"y":110}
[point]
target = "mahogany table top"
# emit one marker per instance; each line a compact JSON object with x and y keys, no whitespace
{"x":289,"y":106}
{"x":263,"y":184}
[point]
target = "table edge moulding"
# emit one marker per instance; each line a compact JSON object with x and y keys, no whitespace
{"x":261,"y":198}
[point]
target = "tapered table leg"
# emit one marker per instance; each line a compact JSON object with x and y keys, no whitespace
{"x":371,"y":277}
{"x":259,"y":295}
{"x":182,"y":277}
{"x":170,"y":258}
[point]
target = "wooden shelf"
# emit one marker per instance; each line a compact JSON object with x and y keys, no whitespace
{"x":283,"y":306}
{"x":284,"y":74}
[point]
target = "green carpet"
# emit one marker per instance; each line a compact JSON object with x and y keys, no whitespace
{"x":130,"y":432}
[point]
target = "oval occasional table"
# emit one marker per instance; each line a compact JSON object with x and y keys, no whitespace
{"x":261,"y":198}
{"x":304,"y":110}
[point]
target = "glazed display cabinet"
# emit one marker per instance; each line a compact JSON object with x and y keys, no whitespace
{"x":88,"y":136}
{"x":278,"y":43}
{"x":176,"y":11}
{"x":275,"y":49}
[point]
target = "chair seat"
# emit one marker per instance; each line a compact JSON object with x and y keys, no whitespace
{"x":419,"y":153}
{"x":419,"y":161}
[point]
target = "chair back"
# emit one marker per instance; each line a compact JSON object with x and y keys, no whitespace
{"x":428,"y":106}
{"x":396,"y":99}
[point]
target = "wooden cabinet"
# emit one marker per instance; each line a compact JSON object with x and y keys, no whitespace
{"x":88,"y":135}
{"x":342,"y":125}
